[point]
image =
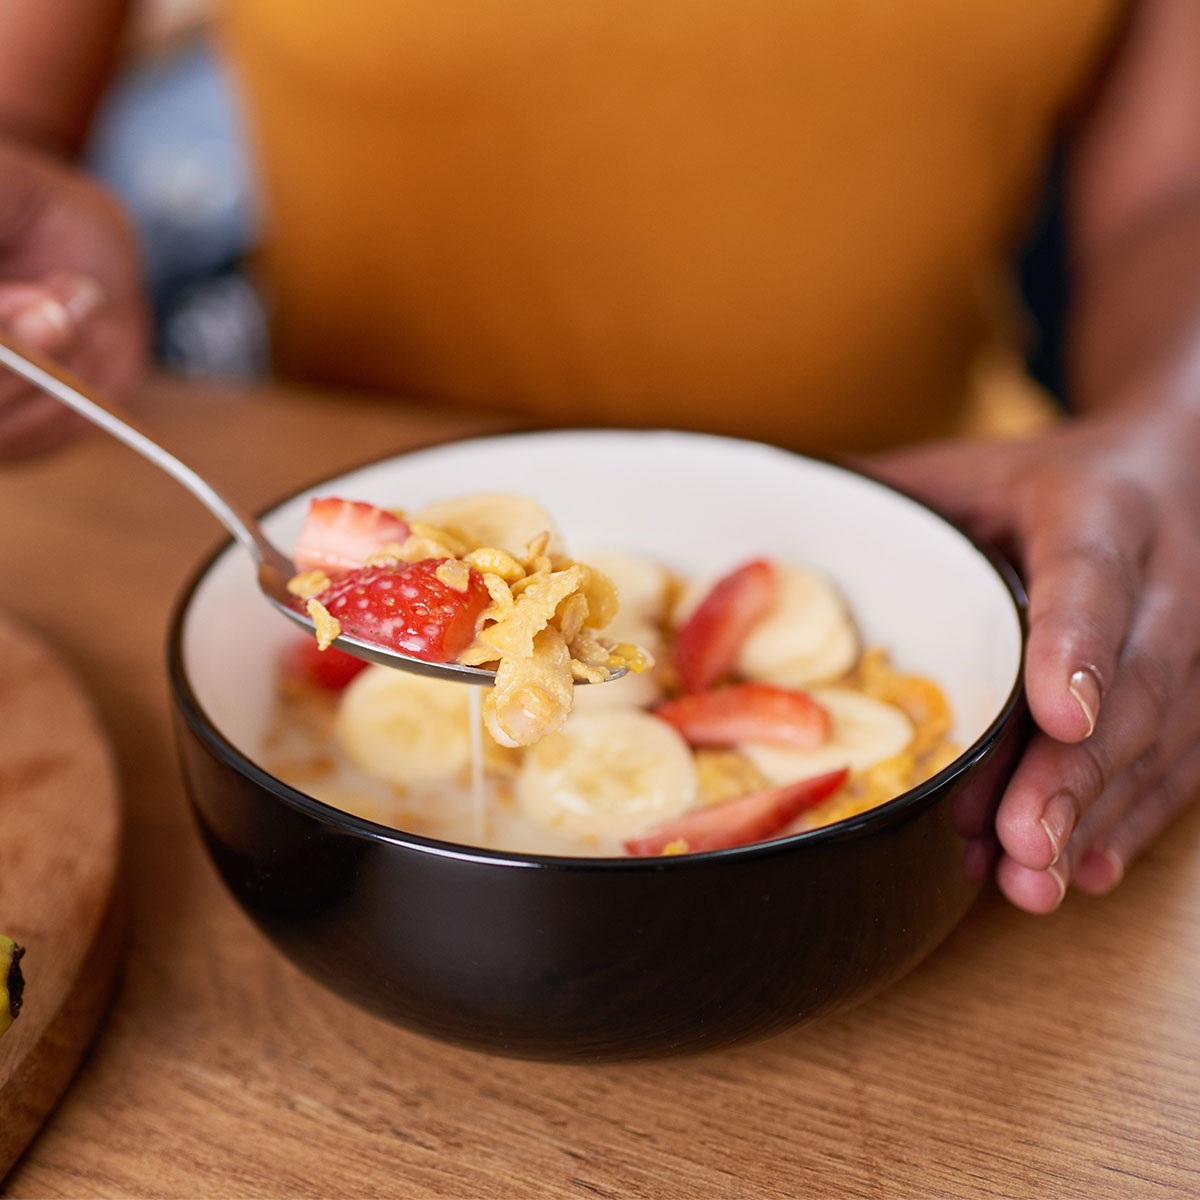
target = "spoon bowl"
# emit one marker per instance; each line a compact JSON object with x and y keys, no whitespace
{"x":274,"y":568}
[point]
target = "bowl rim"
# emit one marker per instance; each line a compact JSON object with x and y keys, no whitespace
{"x":205,"y":729}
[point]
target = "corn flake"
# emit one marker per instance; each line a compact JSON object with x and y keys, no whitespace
{"x":724,"y":775}
{"x":490,"y":561}
{"x":601,"y":595}
{"x":532,"y":694}
{"x":308,"y":584}
{"x":328,"y":626}
{"x":454,"y":573}
{"x":571,"y":615}
{"x":535,"y":607}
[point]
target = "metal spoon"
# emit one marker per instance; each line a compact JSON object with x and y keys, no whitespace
{"x":274,"y":567}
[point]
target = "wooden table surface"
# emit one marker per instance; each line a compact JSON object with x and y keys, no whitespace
{"x":1029,"y":1056}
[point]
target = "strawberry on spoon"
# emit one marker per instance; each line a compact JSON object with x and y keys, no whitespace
{"x":408,"y":607}
{"x":340,"y":535}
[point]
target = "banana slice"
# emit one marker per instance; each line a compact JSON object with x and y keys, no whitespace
{"x":505,"y":520}
{"x":807,"y":637}
{"x":643,"y":586}
{"x":405,"y":729}
{"x":607,"y":774}
{"x":636,"y":690}
{"x":865,"y":731}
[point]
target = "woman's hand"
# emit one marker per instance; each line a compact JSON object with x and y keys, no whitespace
{"x":1103,"y":519}
{"x":69,"y":286}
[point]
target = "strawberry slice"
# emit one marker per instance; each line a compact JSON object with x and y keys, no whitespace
{"x":338,"y":535}
{"x":738,"y":822}
{"x":749,"y":712}
{"x":406,"y":606}
{"x":331,"y":669}
{"x":708,"y":643}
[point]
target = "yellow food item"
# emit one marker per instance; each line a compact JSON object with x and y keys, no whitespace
{"x":611,"y":770}
{"x":725,"y":775}
{"x":308,"y":584}
{"x":927,"y":752}
{"x":404,"y":728}
{"x":532,"y":694}
{"x":328,"y":626}
{"x":607,"y":774}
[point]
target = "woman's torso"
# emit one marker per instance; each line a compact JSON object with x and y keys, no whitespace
{"x":781,"y":218}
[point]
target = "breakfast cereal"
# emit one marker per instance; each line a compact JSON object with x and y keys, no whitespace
{"x":762,"y":716}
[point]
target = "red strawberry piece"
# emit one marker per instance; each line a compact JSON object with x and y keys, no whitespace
{"x":749,"y":712}
{"x":708,"y":643}
{"x":738,"y":822}
{"x":339,"y":535}
{"x":331,"y":669}
{"x":406,"y":606}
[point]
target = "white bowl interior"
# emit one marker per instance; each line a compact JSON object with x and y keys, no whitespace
{"x":699,"y":504}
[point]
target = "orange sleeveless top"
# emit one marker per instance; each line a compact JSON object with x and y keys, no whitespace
{"x":787,"y":219}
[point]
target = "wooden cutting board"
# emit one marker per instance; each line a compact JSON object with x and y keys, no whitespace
{"x":60,"y":836}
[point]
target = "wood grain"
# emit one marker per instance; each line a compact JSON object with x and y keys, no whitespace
{"x":1052,"y":1057}
{"x":59,"y":847}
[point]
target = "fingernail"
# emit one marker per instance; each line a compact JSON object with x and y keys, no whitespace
{"x":1085,"y":687}
{"x":1061,"y":880}
{"x":1058,"y":819}
{"x":83,"y":297}
{"x":1112,"y":869}
{"x":44,"y":323}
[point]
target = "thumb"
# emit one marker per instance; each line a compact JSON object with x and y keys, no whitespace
{"x":48,"y":313}
{"x":961,"y":479}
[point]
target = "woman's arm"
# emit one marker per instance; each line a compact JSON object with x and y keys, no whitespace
{"x":69,"y":285}
{"x":1103,"y":515}
{"x":1133,"y":216}
{"x":55,"y":58}
{"x":69,"y":277}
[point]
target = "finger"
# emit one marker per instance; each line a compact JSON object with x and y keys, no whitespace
{"x":40,"y":425}
{"x":1056,"y":784}
{"x":111,"y":352}
{"x":48,"y":315}
{"x":960,"y":479}
{"x":1102,"y":866}
{"x":1085,"y":550}
{"x":1034,"y":891}
{"x":54,"y":315}
{"x":35,"y":317}
{"x":48,"y":312}
{"x":1022,"y":824}
{"x":1181,"y":729}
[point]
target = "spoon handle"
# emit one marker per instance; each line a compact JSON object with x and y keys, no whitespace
{"x":274,"y":569}
{"x":55,"y":380}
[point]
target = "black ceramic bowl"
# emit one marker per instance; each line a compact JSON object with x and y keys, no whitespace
{"x":578,"y":959}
